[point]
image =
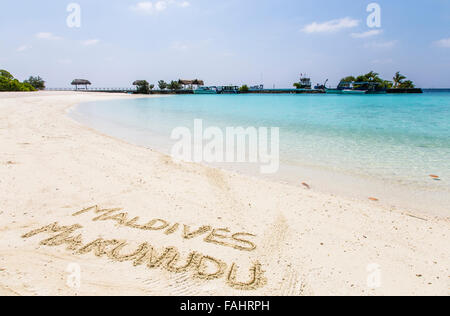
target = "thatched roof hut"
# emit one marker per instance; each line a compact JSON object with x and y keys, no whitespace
{"x":194,"y":82}
{"x":80,"y":82}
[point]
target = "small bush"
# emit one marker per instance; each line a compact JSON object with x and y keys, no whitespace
{"x":244,"y":89}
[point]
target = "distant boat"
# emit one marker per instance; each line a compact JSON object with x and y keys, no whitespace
{"x":346,"y":91}
{"x":350,"y":91}
{"x":357,"y":88}
{"x":257,"y":88}
{"x":228,"y":90}
{"x":205,"y":90}
{"x":333,"y":91}
{"x":321,"y":86}
{"x":304,"y":83}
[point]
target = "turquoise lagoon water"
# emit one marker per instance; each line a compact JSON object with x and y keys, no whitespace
{"x":397,"y":140}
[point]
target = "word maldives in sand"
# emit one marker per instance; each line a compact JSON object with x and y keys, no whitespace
{"x":219,"y":236}
{"x":199,"y":265}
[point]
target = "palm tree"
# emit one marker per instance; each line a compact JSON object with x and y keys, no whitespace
{"x":398,"y":79}
{"x":371,"y":76}
{"x":387,"y":84}
{"x":348,"y":79}
{"x":162,"y":85}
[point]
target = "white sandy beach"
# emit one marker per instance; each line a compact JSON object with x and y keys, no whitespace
{"x":200,"y":231}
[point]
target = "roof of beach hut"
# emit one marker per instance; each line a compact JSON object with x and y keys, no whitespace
{"x":80,"y":82}
{"x":191,"y":82}
{"x":199,"y":82}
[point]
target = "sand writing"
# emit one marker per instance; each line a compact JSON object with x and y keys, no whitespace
{"x":169,"y":258}
{"x":219,"y":236}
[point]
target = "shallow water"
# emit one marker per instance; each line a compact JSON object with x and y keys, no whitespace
{"x":394,"y":140}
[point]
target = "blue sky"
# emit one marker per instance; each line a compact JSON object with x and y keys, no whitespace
{"x":223,"y":42}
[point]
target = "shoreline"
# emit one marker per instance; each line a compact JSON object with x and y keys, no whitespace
{"x":263,"y":91}
{"x":396,"y":194}
{"x":307,"y":243}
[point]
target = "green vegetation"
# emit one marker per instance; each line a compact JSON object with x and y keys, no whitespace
{"x":37,"y":82}
{"x":162,"y":85}
{"x":408,"y":84}
{"x":7,"y":75}
{"x":400,"y":83}
{"x":142,"y":86}
{"x":9,"y":83}
{"x":349,"y":79}
{"x":398,"y":79}
{"x":300,"y":85}
{"x":373,"y":77}
{"x":174,"y":86}
{"x":244,"y":89}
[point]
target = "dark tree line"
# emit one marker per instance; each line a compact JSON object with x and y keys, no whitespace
{"x":144,"y":87}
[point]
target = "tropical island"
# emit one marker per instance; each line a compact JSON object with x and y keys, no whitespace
{"x":369,"y":83}
{"x":372,"y":83}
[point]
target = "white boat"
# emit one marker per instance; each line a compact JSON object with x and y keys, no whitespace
{"x":205,"y":90}
{"x":350,"y":91}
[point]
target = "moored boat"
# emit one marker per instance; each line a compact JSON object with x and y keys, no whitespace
{"x":333,"y":91}
{"x":228,"y":90}
{"x":357,"y":88}
{"x":351,"y":91}
{"x":205,"y":90}
{"x":304,"y":83}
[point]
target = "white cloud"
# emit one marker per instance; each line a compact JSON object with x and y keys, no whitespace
{"x":47,"y":36}
{"x":23,"y":48}
{"x":367,"y":34}
{"x":443,"y":43}
{"x":148,"y":7}
{"x":91,"y":42}
{"x":389,"y":44}
{"x":330,"y":26}
{"x":184,"y":4}
{"x":143,"y":7}
{"x":160,"y":5}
